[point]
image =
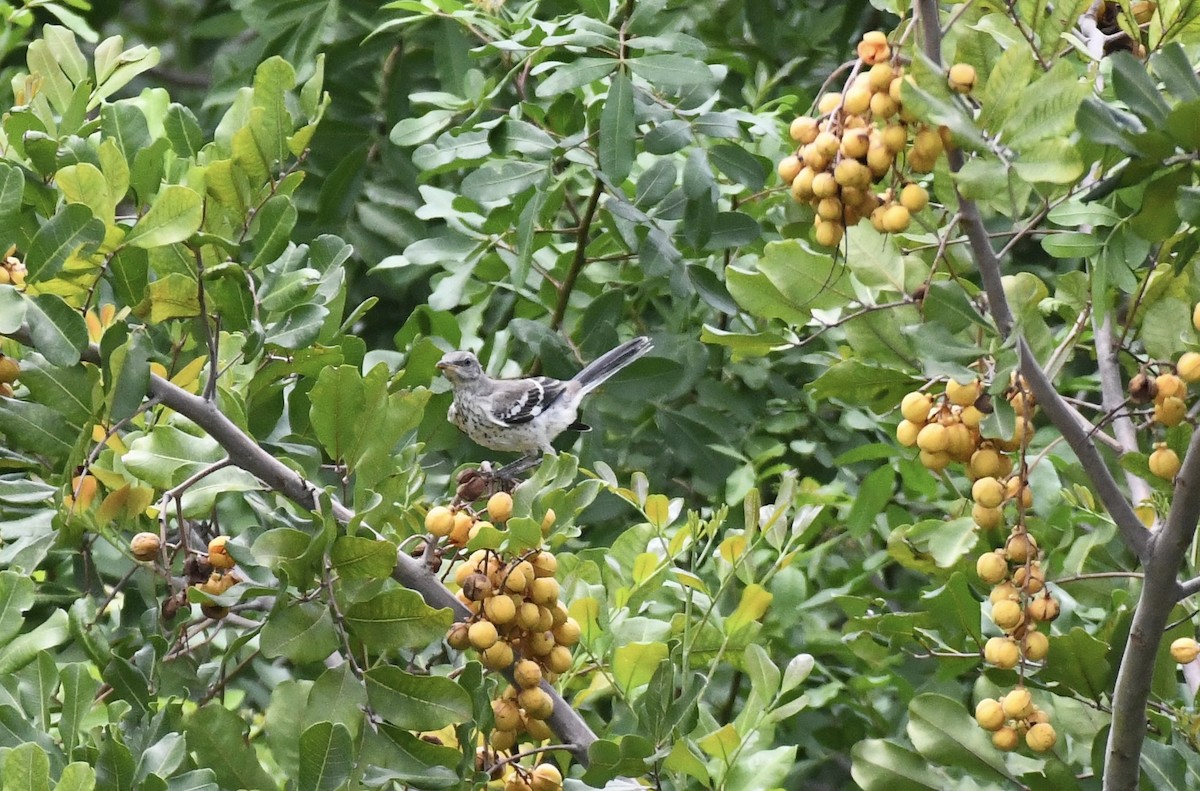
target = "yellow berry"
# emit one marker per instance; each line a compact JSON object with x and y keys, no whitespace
{"x":1006,"y":738}
{"x":989,"y":714}
{"x":499,"y":506}
{"x":482,"y":635}
{"x":803,"y":130}
{"x":1041,"y":737}
{"x":896,"y":219}
{"x":1020,"y":547}
{"x":1007,"y":614}
{"x":527,"y":673}
{"x":985,"y":462}
{"x":961,"y":77}
{"x":1170,"y":411}
{"x":1044,"y":608}
{"x":828,"y":234}
{"x":933,"y":438}
{"x":1018,"y":703}
{"x":567,"y":633}
{"x":1164,"y":462}
{"x":1036,"y":646}
{"x":500,"y":610}
{"x":828,"y":103}
{"x":906,"y":433}
{"x":498,"y":657}
{"x":144,"y":546}
{"x":1185,"y":650}
{"x":1002,"y":652}
{"x":218,"y":554}
{"x":788,"y":168}
{"x":991,"y":567}
{"x":545,"y":777}
{"x":536,"y":702}
{"x":439,"y":521}
{"x":1188,"y":366}
{"x":987,"y":492}
{"x":10,"y":369}
{"x":960,"y":394}
{"x":506,"y":714}
{"x":1196,"y":317}
{"x":987,"y":518}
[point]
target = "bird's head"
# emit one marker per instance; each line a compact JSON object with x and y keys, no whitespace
{"x":460,"y":368}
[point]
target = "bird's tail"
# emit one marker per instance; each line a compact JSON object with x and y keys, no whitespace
{"x":599,"y":370}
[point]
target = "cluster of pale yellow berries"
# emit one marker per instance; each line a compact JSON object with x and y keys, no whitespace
{"x":515,"y":612}
{"x":12,"y":269}
{"x":1015,"y":715}
{"x":854,"y":144}
{"x":947,"y":429}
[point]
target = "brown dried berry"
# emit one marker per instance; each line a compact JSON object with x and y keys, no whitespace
{"x":1142,"y":389}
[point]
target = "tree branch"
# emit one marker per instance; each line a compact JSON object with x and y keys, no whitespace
{"x":580,"y":259}
{"x":247,"y":454}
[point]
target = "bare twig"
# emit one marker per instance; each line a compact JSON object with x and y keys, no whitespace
{"x":580,"y":258}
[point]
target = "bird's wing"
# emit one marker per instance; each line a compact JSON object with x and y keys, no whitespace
{"x":521,"y":400}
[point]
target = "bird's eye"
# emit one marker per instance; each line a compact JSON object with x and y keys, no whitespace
{"x":463,"y":363}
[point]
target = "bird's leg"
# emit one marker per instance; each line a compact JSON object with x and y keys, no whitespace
{"x":507,"y":475}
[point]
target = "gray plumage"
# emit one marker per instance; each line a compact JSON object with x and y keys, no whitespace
{"x":525,"y":415}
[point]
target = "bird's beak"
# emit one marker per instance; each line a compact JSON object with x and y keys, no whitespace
{"x":442,"y":365}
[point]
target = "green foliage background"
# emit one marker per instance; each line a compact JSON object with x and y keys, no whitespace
{"x":773,"y":593}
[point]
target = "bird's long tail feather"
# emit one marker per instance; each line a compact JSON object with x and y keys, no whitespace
{"x":606,"y":365}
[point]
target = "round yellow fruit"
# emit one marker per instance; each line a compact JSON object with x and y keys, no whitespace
{"x":1170,"y":411}
{"x":1002,"y":652}
{"x":482,"y":635}
{"x":1036,"y":646}
{"x":933,"y":438}
{"x":987,"y":492}
{"x":567,"y":633}
{"x":458,"y":637}
{"x":536,"y":702}
{"x":500,"y":506}
{"x":961,"y":77}
{"x":1007,"y":614}
{"x":992,"y":567}
{"x":987,"y":518}
{"x":803,"y":130}
{"x":1018,"y":703}
{"x":439,"y":521}
{"x":500,"y":610}
{"x":218,"y":553}
{"x":1044,"y":608}
{"x":788,"y":168}
{"x":1006,"y":738}
{"x":145,"y":546}
{"x":498,"y":657}
{"x":1189,"y":366}
{"x":1041,"y":737}
{"x":1185,"y":650}
{"x":506,"y":714}
{"x":1196,"y":317}
{"x":906,"y":433}
{"x":914,"y":197}
{"x":989,"y":714}
{"x":985,"y":462}
{"x":527,"y":673}
{"x":915,"y":407}
{"x":1164,"y":462}
{"x":559,"y":659}
{"x":545,"y":777}
{"x":10,"y":369}
{"x":1170,"y":385}
{"x":1020,"y":547}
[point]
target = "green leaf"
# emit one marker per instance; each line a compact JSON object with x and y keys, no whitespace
{"x":634,"y":664}
{"x":501,"y":180}
{"x":416,"y":703}
{"x":300,"y":633}
{"x":732,"y":229}
{"x":955,"y":610}
{"x":71,"y":231}
{"x":338,"y":402}
{"x":878,"y":765}
{"x":36,"y":428}
{"x":58,"y":331}
{"x":358,"y":557}
{"x":948,"y":304}
{"x":168,"y":456}
{"x":270,"y":121}
{"x":397,"y":619}
{"x":858,"y":382}
{"x":1050,"y":161}
{"x":27,"y":768}
{"x":337,"y":696}
{"x":1173,"y":67}
{"x":617,"y":130}
{"x":806,"y":279}
{"x":1107,"y":125}
{"x":945,"y":734}
{"x":218,"y":738}
{"x":174,"y":216}
{"x":79,"y":776}
{"x":567,"y":77}
{"x":16,"y":596}
{"x":326,"y":757}
{"x":273,"y":229}
{"x":739,"y":165}
{"x":671,"y":71}
{"x":175,"y":296}
{"x":1134,"y":86}
{"x":78,"y":691}
{"x":395,"y":754}
{"x":1079,"y":662}
{"x":22,"y":650}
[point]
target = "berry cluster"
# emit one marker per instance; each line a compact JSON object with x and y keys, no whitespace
{"x":515,"y":615}
{"x":1013,"y":716}
{"x":856,"y":142}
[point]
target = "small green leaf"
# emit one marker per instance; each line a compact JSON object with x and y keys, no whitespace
{"x":300,"y":633}
{"x":326,"y":757}
{"x":397,"y":619}
{"x":1134,"y":86}
{"x":59,"y":332}
{"x":174,"y":216}
{"x":617,"y":131}
{"x":416,"y":703}
{"x":567,"y":77}
{"x":359,"y":557}
{"x":877,"y":765}
{"x":71,"y":231}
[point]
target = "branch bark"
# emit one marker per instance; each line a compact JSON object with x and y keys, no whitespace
{"x":247,"y":454}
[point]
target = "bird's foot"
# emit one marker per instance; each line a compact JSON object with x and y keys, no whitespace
{"x":487,"y":479}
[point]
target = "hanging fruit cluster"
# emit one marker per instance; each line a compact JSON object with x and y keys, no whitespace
{"x":863,"y":138}
{"x":1015,"y":715}
{"x":12,"y":269}
{"x":516,"y":616}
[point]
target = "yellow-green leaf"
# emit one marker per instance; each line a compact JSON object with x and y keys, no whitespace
{"x":174,"y":216}
{"x":754,"y":604}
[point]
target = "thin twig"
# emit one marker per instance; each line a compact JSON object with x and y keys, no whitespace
{"x":580,"y":258}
